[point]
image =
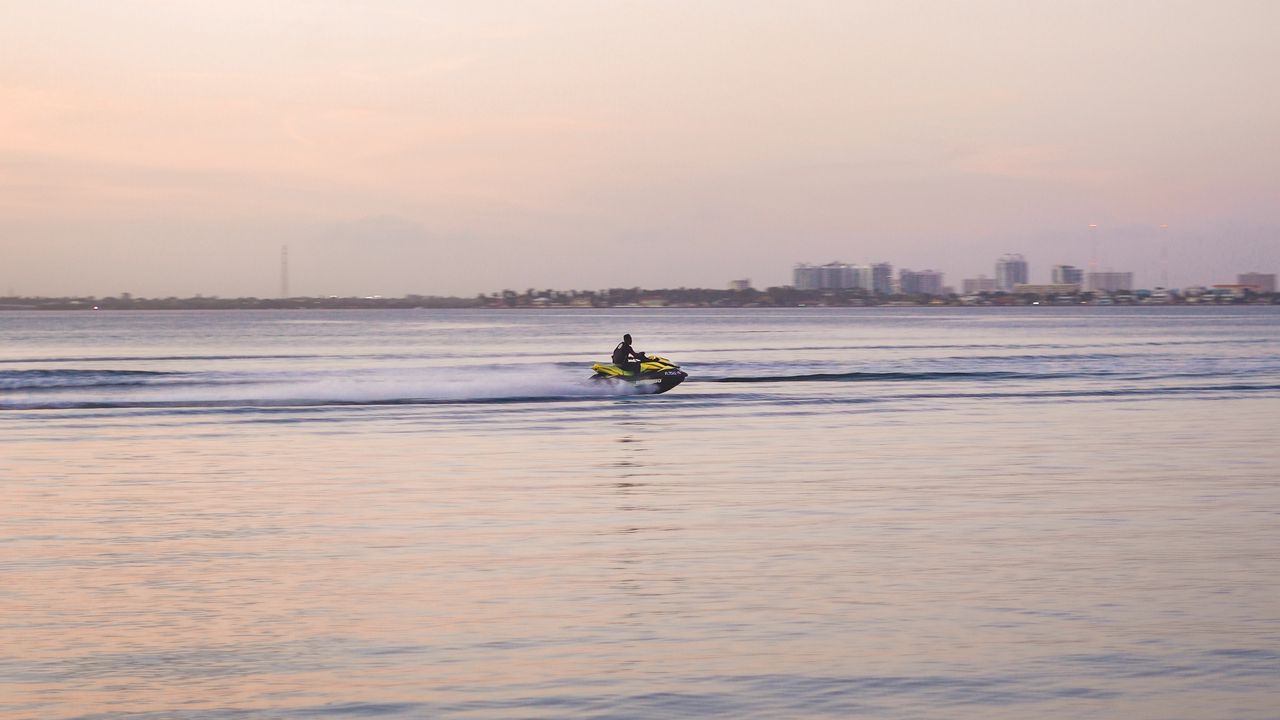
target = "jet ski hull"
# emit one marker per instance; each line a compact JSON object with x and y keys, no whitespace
{"x":656,"y":376}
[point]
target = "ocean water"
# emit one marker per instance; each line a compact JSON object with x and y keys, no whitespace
{"x":890,"y":513}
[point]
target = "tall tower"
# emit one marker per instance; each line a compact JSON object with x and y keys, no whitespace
{"x":284,"y":271}
{"x":1011,"y":269}
{"x":882,"y":278}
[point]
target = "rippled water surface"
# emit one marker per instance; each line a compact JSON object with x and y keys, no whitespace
{"x":906,"y":513}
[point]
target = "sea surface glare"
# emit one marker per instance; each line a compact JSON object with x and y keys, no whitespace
{"x":891,"y":513}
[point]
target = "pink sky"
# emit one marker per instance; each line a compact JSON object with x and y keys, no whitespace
{"x":171,"y":148}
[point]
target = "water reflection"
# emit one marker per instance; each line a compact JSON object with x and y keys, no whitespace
{"x":771,"y":552}
{"x":634,"y":457}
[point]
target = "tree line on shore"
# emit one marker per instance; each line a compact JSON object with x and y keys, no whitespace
{"x":783,"y":296}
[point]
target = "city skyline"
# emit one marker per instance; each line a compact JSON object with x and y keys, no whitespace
{"x":870,"y":275}
{"x":173,"y":148}
{"x":1009,"y":270}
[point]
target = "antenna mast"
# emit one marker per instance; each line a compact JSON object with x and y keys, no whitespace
{"x":1164,"y":256}
{"x":284,"y":271}
{"x":1093,"y":247}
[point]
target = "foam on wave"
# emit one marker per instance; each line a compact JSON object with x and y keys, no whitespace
{"x":128,"y":388}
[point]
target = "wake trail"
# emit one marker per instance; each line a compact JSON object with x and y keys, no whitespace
{"x":68,"y":389}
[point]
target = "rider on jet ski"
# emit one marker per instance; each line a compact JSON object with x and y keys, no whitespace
{"x":656,"y":375}
{"x":623,"y":353}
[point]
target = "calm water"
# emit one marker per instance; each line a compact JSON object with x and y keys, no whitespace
{"x":899,"y":513}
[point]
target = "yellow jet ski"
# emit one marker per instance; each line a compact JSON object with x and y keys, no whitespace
{"x":657,"y":373}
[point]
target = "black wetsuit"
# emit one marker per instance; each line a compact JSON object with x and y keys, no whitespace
{"x":622,"y":357}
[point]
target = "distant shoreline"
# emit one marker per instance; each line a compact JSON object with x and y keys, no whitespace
{"x":35,"y":304}
{"x":635,"y":297}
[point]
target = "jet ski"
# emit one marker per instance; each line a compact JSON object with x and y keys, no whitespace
{"x":657,"y":373}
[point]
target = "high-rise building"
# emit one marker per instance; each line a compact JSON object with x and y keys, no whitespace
{"x":1108,"y":281}
{"x":861,"y":277}
{"x":740,"y":285}
{"x":832,"y":276}
{"x":806,"y":277}
{"x":882,"y":278}
{"x":1261,"y":282}
{"x":923,"y":282}
{"x":980,"y":284}
{"x":843,"y":276}
{"x":1011,"y":269}
{"x":836,"y":276}
{"x":1068,"y":275}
